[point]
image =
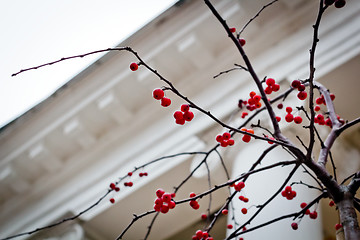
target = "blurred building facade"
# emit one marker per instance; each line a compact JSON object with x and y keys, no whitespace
{"x":59,"y":157}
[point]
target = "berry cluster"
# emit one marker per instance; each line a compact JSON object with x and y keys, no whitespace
{"x":159,"y":94}
{"x":239,"y":186}
{"x":271,"y":86}
{"x":288,"y":193}
{"x":113,"y":187}
{"x":225,"y":139}
{"x":302,"y":95}
{"x":247,"y":138}
{"x":289,"y":117}
{"x":254,"y":101}
{"x":143,"y":174}
{"x":184,"y":115}
{"x":312,"y":215}
{"x":321,"y":100}
{"x":251,"y":104}
{"x":201,"y":235}
{"x":193,"y":203}
{"x":128,"y":184}
{"x":244,"y":199}
{"x":164,"y":201}
{"x":338,"y":3}
{"x":241,"y":40}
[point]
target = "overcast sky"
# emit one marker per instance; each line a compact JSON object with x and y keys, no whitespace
{"x":34,"y":32}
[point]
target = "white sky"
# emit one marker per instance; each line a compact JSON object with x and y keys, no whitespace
{"x":34,"y":32}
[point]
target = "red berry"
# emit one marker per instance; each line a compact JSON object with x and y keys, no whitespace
{"x":332,"y":96}
{"x":178,"y":115}
{"x":317,"y":108}
{"x":172,"y":204}
{"x":166,"y":197}
{"x":203,"y":216}
{"x":226,"y":136}
{"x":297,"y":120}
{"x":130,"y":184}
{"x":242,"y":42}
{"x":199,"y":234}
{"x":328,"y":122}
{"x":303,"y":205}
{"x":320,"y":117}
{"x":159,"y":192}
{"x":188,"y":116}
{"x":294,"y":226}
{"x":231,"y":142}
{"x":112,"y":200}
{"x":257,"y":98}
{"x":185,"y":107}
{"x":205,"y":235}
{"x":232,"y":30}
{"x":252,"y":94}
{"x":331,"y":203}
{"x":134,"y":66}
{"x":158,"y":201}
{"x":112,"y":185}
{"x":242,"y":198}
{"x":180,"y":121}
{"x":302,"y":95}
{"x":288,"y":189}
{"x":246,"y":138}
{"x":219,"y":138}
{"x":224,"y":143}
{"x":319,"y":100}
{"x":280,"y":106}
{"x":229,"y":226}
{"x":288,"y":109}
{"x":129,"y":174}
{"x":338,"y":226}
{"x":268,"y":90}
{"x":301,"y":87}
{"x":246,"y":200}
{"x":278,"y":118}
{"x":244,"y":210}
{"x":276,"y":87}
{"x":340,"y":3}
{"x":192,"y":194}
{"x":117,"y":189}
{"x":313,"y":215}
{"x":173,"y":195}
{"x":164,"y":209}
{"x":289,"y":117}
{"x":225,"y":211}
{"x":295,"y":83}
{"x":157,"y":208}
{"x":165,"y":102}
{"x":270,"y":81}
{"x":158,"y":94}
